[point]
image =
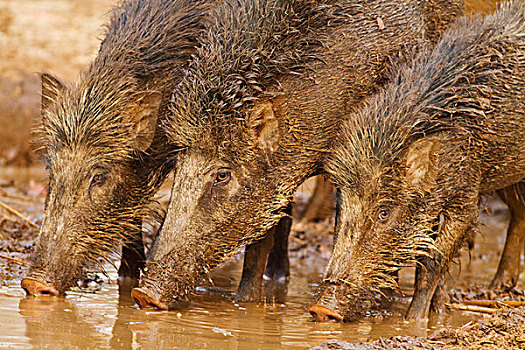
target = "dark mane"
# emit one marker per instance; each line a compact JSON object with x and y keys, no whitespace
{"x":147,"y":46}
{"x":441,"y":90}
{"x":249,"y":46}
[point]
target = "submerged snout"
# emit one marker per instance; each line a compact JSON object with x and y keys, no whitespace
{"x":326,"y":307}
{"x":36,"y":288}
{"x":324,"y":314}
{"x":338,"y":303}
{"x":145,"y":299}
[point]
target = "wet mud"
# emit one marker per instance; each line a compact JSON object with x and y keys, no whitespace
{"x":503,"y":330}
{"x":95,"y":315}
{"x":61,"y":37}
{"x":22,"y":194}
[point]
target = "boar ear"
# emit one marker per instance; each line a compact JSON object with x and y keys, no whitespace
{"x":144,"y":110}
{"x":265,"y":126}
{"x":421,"y":162}
{"x":51,"y":87}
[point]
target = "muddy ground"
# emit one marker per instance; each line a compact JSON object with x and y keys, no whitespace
{"x":62,"y":37}
{"x":503,"y":330}
{"x":21,"y":204}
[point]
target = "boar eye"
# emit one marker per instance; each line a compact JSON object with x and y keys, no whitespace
{"x":383,"y":215}
{"x":98,"y":179}
{"x":222,"y":177}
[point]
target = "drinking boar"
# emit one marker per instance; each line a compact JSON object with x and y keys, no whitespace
{"x":321,"y":201}
{"x":411,"y":165}
{"x":104,"y":149}
{"x":264,"y":95}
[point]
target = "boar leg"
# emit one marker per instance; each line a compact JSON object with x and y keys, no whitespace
{"x":427,"y":279}
{"x":509,"y":265}
{"x":322,"y":198}
{"x":454,"y":233}
{"x":133,"y":260}
{"x":277,"y":272}
{"x":273,"y":249}
{"x":440,"y":297}
{"x":255,"y":257}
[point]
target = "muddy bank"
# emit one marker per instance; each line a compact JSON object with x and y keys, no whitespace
{"x":502,"y":330}
{"x":22,"y":193}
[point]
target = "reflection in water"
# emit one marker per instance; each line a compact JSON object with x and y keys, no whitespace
{"x":121,"y":335}
{"x":60,"y":323}
{"x":108,"y":320}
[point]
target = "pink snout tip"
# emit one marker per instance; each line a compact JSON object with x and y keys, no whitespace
{"x":324,"y":314}
{"x":34,"y":287}
{"x":145,"y":299}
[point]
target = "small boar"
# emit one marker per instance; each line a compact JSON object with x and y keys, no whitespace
{"x":104,"y":148}
{"x":259,"y":108}
{"x":411,"y":165}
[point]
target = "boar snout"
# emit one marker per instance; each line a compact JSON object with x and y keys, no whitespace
{"x":145,"y":299}
{"x":36,"y":288}
{"x":324,"y":314}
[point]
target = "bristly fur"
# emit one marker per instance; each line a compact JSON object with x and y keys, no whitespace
{"x":147,"y":47}
{"x":250,"y":54}
{"x":430,"y":98}
{"x":314,"y":62}
{"x":468,"y":94}
{"x":247,"y":49}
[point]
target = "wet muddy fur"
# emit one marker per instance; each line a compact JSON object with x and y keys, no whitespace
{"x":256,"y":114}
{"x":411,"y":165}
{"x":103,"y":145}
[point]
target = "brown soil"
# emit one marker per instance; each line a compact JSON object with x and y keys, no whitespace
{"x":19,"y":98}
{"x":502,"y":330}
{"x":21,"y":209}
{"x":476,"y":292}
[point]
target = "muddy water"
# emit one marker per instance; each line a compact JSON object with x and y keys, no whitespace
{"x":105,"y":319}
{"x":60,"y":36}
